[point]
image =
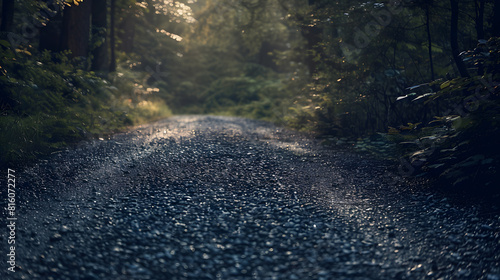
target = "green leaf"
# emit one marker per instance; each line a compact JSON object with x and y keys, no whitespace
{"x":23,"y":51}
{"x":5,"y":43}
{"x":445,"y":84}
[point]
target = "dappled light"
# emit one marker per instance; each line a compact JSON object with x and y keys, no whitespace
{"x":173,"y":36}
{"x":175,"y":9}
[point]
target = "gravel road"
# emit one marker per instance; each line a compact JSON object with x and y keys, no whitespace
{"x":202,"y":197}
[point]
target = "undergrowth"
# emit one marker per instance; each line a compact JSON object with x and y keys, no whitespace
{"x":49,"y":101}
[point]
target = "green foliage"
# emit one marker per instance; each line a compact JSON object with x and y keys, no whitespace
{"x":220,"y":59}
{"x":192,"y":57}
{"x":344,"y":69}
{"x":47,"y":103}
{"x":364,"y":56}
{"x":259,"y":98}
{"x":460,"y":147}
{"x":231,"y":91}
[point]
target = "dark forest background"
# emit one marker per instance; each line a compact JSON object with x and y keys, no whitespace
{"x":411,"y":81}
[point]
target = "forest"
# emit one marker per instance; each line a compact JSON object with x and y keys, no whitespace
{"x":412,"y":81}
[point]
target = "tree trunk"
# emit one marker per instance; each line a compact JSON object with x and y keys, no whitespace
{"x":50,"y":34}
{"x":495,"y":25}
{"x":99,"y":36}
{"x":429,"y":39}
{"x":76,"y":29}
{"x":151,"y":16}
{"x":112,"y":64}
{"x":313,"y":35}
{"x":313,"y":38}
{"x":480,"y":19}
{"x":454,"y":39}
{"x":7,"y":15}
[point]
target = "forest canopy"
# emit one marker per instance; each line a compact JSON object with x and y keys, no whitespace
{"x":420,"y":77}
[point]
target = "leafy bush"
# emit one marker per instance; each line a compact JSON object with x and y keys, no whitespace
{"x":259,"y":98}
{"x":460,"y":147}
{"x":48,"y":102}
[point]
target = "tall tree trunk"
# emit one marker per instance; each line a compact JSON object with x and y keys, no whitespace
{"x":429,"y":39}
{"x":151,"y":15}
{"x":480,"y":18}
{"x":454,"y":39}
{"x":112,"y":64}
{"x":495,"y":25}
{"x":99,"y":34}
{"x":50,"y":34}
{"x":313,"y":35}
{"x":76,"y":29}
{"x":7,"y":15}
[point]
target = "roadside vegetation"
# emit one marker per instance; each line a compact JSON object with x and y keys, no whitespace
{"x":48,"y":102}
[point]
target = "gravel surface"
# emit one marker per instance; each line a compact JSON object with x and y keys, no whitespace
{"x":201,"y":197}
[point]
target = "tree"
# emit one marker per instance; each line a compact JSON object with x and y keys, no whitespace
{"x":479,"y":19}
{"x":76,"y":29}
{"x":496,"y":19}
{"x":7,"y":15}
{"x":50,"y":32}
{"x":454,"y":39}
{"x":99,"y":36}
{"x":126,"y":27}
{"x":112,"y":63}
{"x":427,"y":8}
